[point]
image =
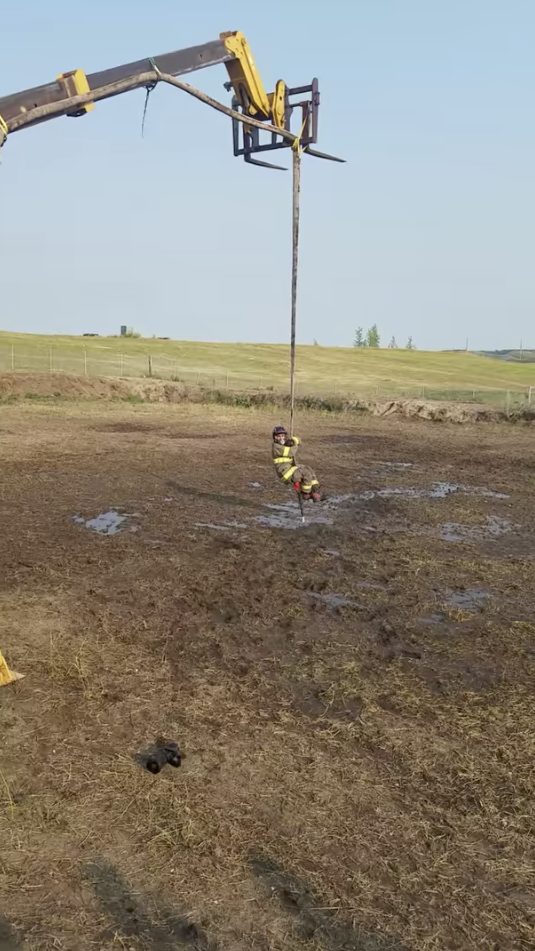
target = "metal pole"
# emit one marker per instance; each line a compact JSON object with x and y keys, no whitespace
{"x":296,"y":190}
{"x":301,"y":508}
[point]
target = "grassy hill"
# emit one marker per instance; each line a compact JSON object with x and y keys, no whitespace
{"x":321,"y":370}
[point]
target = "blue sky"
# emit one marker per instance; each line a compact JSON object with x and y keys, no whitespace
{"x":428,"y":230}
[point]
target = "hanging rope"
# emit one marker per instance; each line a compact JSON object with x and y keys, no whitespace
{"x":297,"y":151}
{"x":296,"y":191}
{"x":150,"y":87}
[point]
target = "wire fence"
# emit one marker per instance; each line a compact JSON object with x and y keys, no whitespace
{"x":93,"y":362}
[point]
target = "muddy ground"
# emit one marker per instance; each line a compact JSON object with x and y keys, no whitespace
{"x":354,"y":698}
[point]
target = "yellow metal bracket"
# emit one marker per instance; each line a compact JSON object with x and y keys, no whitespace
{"x":75,"y":84}
{"x":7,"y":676}
{"x":3,"y":131}
{"x":247,"y":83}
{"x":277,"y":104}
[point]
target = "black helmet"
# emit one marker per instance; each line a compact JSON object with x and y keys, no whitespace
{"x":279,"y":431}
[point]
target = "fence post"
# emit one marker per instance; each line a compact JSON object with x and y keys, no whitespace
{"x":12,"y":356}
{"x":85,"y":361}
{"x":150,"y":364}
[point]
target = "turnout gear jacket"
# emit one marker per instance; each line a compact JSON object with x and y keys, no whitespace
{"x":283,"y":456}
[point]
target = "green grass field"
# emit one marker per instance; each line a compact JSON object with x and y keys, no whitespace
{"x":322,"y":371}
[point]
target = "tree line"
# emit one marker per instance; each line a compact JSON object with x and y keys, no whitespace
{"x":372,"y":339}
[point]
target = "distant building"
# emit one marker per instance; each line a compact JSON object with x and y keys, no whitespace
{"x":123,"y":330}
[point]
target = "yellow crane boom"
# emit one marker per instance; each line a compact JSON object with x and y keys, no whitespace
{"x":75,"y":93}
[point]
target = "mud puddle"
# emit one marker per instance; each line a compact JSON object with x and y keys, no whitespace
{"x":221,"y":526}
{"x":471,"y":599}
{"x":107,"y":523}
{"x":494,"y":527}
{"x":437,"y":490}
{"x":287,"y":515}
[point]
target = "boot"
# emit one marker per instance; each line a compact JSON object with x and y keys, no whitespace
{"x":316,"y":495}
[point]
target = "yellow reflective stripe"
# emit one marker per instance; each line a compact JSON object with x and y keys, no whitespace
{"x":280,"y":459}
{"x":289,"y":474}
{"x":306,"y":488}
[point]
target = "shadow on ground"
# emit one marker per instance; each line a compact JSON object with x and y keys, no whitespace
{"x":8,"y":938}
{"x":129,"y":914}
{"x":312,"y":921}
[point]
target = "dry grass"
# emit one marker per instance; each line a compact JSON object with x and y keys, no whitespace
{"x":355,"y":778}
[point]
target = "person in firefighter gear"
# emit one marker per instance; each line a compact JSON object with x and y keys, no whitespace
{"x":283,"y":453}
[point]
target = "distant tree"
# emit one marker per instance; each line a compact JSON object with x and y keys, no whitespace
{"x":372,"y":337}
{"x":316,"y":344}
{"x":410,"y":345}
{"x":393,"y":345}
{"x":359,"y":338}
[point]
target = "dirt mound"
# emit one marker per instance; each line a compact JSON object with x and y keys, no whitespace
{"x":438,"y":411}
{"x":15,"y":386}
{"x":68,"y":386}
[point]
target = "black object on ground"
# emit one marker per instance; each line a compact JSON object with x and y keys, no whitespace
{"x":162,"y":753}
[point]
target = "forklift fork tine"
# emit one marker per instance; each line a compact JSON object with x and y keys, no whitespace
{"x":251,"y":161}
{"x":322,"y":155}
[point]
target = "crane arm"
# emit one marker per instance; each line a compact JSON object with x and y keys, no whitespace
{"x":14,"y":107}
{"x":62,"y":97}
